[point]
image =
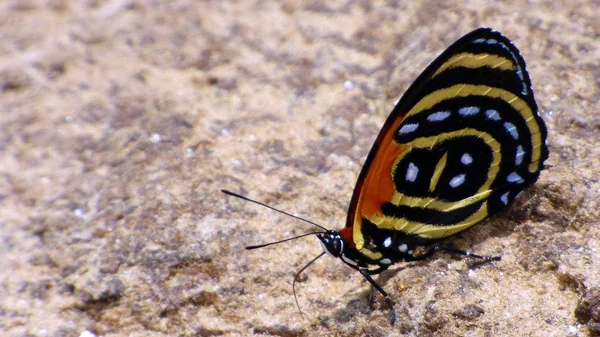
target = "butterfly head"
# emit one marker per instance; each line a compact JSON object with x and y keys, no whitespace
{"x":332,"y":243}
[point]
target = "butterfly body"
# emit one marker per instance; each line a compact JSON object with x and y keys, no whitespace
{"x":394,"y":247}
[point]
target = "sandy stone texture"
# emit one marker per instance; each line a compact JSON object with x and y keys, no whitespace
{"x":121,"y":120}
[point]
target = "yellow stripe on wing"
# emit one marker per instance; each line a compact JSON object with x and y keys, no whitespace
{"x":439,"y":168}
{"x":473,"y":61}
{"x":463,"y":90}
{"x":429,"y":231}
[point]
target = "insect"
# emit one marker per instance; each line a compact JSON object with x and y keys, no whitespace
{"x":463,"y":141}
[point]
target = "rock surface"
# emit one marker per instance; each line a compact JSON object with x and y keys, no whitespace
{"x":122,"y":120}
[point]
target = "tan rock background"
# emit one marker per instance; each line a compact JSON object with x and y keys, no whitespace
{"x":121,"y":120}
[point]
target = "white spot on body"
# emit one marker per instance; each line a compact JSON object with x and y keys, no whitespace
{"x":408,"y":128}
{"x":466,"y":159}
{"x":385,"y":261}
{"x":412,"y":172}
{"x":519,"y":155}
{"x":438,"y":116}
{"x":514,"y":177}
{"x":512,"y":130}
{"x":403,"y":248}
{"x":468,"y":111}
{"x":387,"y":242}
{"x":492,"y":114}
{"x":347,"y":260}
{"x":457,"y":180}
{"x":504,"y":198}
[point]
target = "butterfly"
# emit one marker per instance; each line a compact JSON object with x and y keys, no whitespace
{"x":459,"y":146}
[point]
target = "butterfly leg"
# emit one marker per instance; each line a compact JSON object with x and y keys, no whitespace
{"x":451,"y":250}
{"x":367,"y":275}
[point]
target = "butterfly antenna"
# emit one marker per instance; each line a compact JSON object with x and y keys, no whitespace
{"x":296,"y":279}
{"x":284,"y":240}
{"x":275,"y":209}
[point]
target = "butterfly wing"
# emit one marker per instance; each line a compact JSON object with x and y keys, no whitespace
{"x":458,"y":147}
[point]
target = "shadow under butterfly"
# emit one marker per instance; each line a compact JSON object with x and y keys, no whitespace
{"x":463,"y":141}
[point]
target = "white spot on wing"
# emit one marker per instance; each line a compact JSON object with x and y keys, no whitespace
{"x":403,"y":247}
{"x":519,"y":73}
{"x":504,"y":198}
{"x":519,"y":155}
{"x":385,"y":261}
{"x":512,"y":130}
{"x":492,"y":114}
{"x":408,"y":128}
{"x":438,"y":116}
{"x":457,"y":180}
{"x":514,"y":178}
{"x":387,"y":242}
{"x":412,"y":172}
{"x":466,"y":159}
{"x":468,"y":111}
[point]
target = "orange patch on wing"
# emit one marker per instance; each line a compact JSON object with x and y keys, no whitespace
{"x":378,"y":187}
